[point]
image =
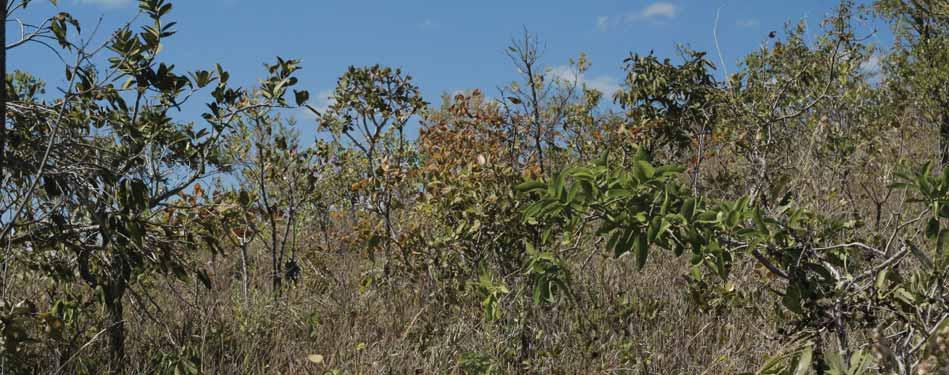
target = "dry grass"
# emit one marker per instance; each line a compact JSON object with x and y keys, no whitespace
{"x":623,"y":321}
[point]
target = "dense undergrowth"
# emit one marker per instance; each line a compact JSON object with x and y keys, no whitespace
{"x":788,"y":220}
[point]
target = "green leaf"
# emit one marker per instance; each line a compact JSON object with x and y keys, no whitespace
{"x":773,"y":366}
{"x":664,"y":226}
{"x":164,"y":9}
{"x":688,"y":209}
{"x":623,"y":246}
{"x":942,"y":248}
{"x":643,"y":170}
{"x":653,"y":230}
{"x":669,"y":170}
{"x":571,"y":194}
{"x":582,"y":174}
{"x":880,"y":283}
{"x":538,"y":293}
{"x":532,"y":211}
{"x":860,"y":362}
{"x":759,"y":222}
{"x":944,"y":211}
{"x":530,"y":186}
{"x":205,"y":279}
{"x":925,"y":187}
{"x":932,"y":228}
{"x":474,"y":227}
{"x":613,"y":242}
{"x":733,"y":218}
{"x":836,"y":364}
{"x":804,"y":362}
{"x":556,"y":186}
{"x":301,"y":96}
{"x":641,"y":245}
{"x":920,"y":255}
{"x":603,"y":159}
{"x":792,"y":299}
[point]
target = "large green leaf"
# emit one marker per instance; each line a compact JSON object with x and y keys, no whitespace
{"x":804,"y":361}
{"x":641,"y":245}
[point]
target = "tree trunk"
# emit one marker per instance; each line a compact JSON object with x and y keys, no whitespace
{"x":3,"y":85}
{"x":243,"y":246}
{"x":944,"y":138}
{"x":115,"y":328}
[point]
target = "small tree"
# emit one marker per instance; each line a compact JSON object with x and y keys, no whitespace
{"x":371,"y":108}
{"x":537,"y":105}
{"x":671,"y":109}
{"x":96,"y":173}
{"x":921,"y":58}
{"x":281,"y":177}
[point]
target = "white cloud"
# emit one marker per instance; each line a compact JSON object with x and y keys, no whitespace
{"x":565,"y":73}
{"x":660,"y":10}
{"x":655,"y":12}
{"x":107,"y":3}
{"x":605,"y":84}
{"x":569,"y":74}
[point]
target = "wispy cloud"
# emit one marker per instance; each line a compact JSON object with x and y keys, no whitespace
{"x":603,"y":23}
{"x":655,"y":12}
{"x":107,"y":3}
{"x":748,"y":23}
{"x":569,"y":74}
{"x":658,"y":10}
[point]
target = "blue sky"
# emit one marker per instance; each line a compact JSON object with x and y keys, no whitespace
{"x":445,"y":45}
